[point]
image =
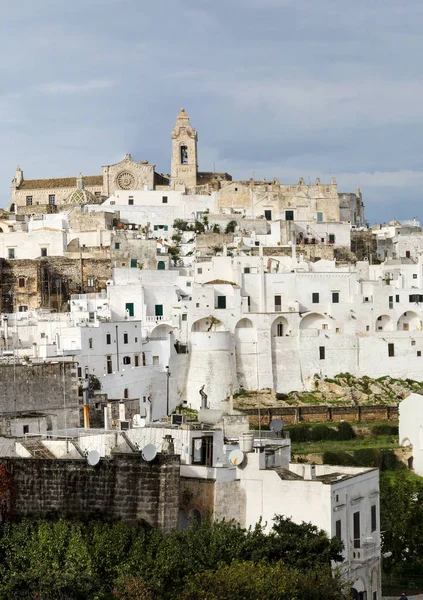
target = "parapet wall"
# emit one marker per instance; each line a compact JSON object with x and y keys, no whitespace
{"x":124,"y":487}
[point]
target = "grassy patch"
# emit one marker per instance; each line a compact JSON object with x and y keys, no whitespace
{"x":382,"y":442}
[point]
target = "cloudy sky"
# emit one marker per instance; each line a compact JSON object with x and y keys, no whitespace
{"x":275,"y":88}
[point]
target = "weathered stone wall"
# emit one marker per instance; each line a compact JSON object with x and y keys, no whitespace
{"x":46,"y":388}
{"x":304,"y":200}
{"x":309,"y":251}
{"x":125,"y":487}
{"x":131,"y":247}
{"x":197,"y":494}
{"x":89,"y":221}
{"x":49,"y":282}
{"x":315,"y":414}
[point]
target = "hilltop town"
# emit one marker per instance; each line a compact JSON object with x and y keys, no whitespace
{"x":141,"y":312}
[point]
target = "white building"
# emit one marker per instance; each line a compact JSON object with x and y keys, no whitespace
{"x":411,"y":429}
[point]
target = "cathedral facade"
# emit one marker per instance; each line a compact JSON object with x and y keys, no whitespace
{"x":318,"y":202}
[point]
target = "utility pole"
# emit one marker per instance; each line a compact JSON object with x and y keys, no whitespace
{"x":167,"y":389}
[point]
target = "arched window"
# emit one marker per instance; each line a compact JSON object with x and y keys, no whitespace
{"x":184,"y":155}
{"x":161,"y":266}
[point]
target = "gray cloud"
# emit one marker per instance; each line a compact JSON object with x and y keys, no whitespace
{"x":283,"y":88}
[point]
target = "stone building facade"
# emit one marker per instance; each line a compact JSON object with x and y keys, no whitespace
{"x":49,"y":282}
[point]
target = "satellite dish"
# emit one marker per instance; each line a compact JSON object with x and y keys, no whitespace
{"x":138,"y":421}
{"x":236,"y":457}
{"x":149,"y":452}
{"x":93,"y":458}
{"x":276,"y":425}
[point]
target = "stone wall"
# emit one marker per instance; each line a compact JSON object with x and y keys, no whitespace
{"x":125,"y":487}
{"x":46,"y":388}
{"x":316,"y":414}
{"x":89,"y":221}
{"x":49,"y":282}
{"x":309,"y":251}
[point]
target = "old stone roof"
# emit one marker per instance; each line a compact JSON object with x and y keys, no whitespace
{"x":48,"y":184}
{"x":221,"y":282}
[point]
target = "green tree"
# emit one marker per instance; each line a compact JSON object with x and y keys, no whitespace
{"x":245,"y":579}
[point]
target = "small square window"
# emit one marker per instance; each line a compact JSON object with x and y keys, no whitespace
{"x":188,"y":284}
{"x":164,"y":199}
{"x":11,"y":253}
{"x":199,"y":271}
{"x":23,"y":308}
{"x":367,"y":327}
{"x":289,"y":215}
{"x":126,"y":360}
{"x":246,"y":269}
{"x":335,"y":297}
{"x":184,"y":316}
{"x":414,"y":275}
{"x":131,"y":200}
{"x":197,"y":305}
{"x":315,"y":298}
{"x":413,"y":342}
{"x":236,"y":189}
{"x":21,"y":282}
{"x":29,"y":200}
{"x":117,"y":246}
{"x":112,"y":202}
{"x":25,"y":429}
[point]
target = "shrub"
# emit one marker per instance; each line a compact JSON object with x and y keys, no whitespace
{"x":299,"y":433}
{"x":385,"y":429}
{"x":345,"y":431}
{"x":321,"y":433}
{"x":341,"y":458}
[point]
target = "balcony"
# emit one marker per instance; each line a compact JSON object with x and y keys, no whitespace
{"x":364,"y":552}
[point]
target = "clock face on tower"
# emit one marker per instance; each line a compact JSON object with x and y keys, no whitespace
{"x":125,"y":180}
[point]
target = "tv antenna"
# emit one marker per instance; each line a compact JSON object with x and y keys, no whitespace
{"x":236,"y":457}
{"x":93,"y":458}
{"x":149,"y":452}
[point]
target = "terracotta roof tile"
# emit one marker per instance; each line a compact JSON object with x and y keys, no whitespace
{"x":66,"y":182}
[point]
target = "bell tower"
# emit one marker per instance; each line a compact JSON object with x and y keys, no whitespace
{"x":184,"y":153}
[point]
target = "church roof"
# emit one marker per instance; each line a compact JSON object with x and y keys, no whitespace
{"x":61,"y":182}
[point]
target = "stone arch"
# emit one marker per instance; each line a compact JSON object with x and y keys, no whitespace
{"x":384,"y":323}
{"x":244,"y":324}
{"x":405,"y":442}
{"x":358,"y":589}
{"x":161,"y":332}
{"x":409,"y":321}
{"x":208,"y":324}
{"x":279,"y":327}
{"x":314,"y":321}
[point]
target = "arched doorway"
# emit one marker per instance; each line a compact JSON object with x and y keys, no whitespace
{"x":384,"y":323}
{"x":409,"y":321}
{"x":161,"y":265}
{"x":314,"y":321}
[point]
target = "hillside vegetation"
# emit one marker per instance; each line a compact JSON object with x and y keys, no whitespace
{"x":342,"y":389}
